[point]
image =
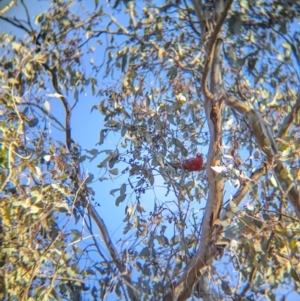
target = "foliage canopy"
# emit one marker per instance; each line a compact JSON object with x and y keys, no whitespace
{"x":169,"y":79}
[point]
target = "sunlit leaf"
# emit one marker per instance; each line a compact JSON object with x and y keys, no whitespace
{"x":34,"y":209}
{"x":57,"y":95}
{"x":39,"y":18}
{"x":47,"y":106}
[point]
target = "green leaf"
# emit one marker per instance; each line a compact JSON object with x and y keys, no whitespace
{"x":124,"y":62}
{"x":295,"y":275}
{"x":117,"y":2}
{"x":145,"y":252}
{"x":109,"y":60}
{"x":226,"y":288}
{"x":175,"y":240}
{"x":114,"y":191}
{"x":76,"y":94}
{"x":33,"y":122}
{"x":103,"y":163}
{"x":103,"y":134}
{"x":123,"y":189}
{"x":112,"y":123}
{"x":93,"y":152}
{"x":171,"y":119}
{"x":114,"y":171}
{"x":94,"y":107}
{"x":179,"y":144}
{"x":151,"y":178}
{"x":63,"y":207}
{"x":89,"y":179}
{"x":112,"y":161}
{"x":158,"y":32}
{"x":234,"y":23}
{"x":120,"y":199}
{"x":140,"y":208}
{"x":172,"y":73}
{"x":159,"y":158}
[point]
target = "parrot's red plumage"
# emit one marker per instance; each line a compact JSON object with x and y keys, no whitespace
{"x":194,"y":164}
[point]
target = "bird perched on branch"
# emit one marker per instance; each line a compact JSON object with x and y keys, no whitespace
{"x":193,"y":164}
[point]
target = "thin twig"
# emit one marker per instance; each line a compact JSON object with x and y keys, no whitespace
{"x":27,"y":15}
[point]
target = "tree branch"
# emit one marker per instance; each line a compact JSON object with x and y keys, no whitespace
{"x":53,"y":72}
{"x":207,"y":249}
{"x":289,"y":119}
{"x":46,"y":113}
{"x":267,"y":144}
{"x":113,"y":253}
{"x":17,"y":24}
{"x":7,"y":7}
{"x":27,"y":15}
{"x":210,"y":49}
{"x":190,"y":19}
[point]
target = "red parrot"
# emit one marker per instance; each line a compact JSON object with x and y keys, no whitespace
{"x":194,"y":164}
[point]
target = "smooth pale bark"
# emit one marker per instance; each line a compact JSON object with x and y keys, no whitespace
{"x":214,"y":95}
{"x":207,"y":248}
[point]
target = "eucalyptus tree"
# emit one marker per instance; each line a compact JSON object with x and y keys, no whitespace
{"x":173,"y":78}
